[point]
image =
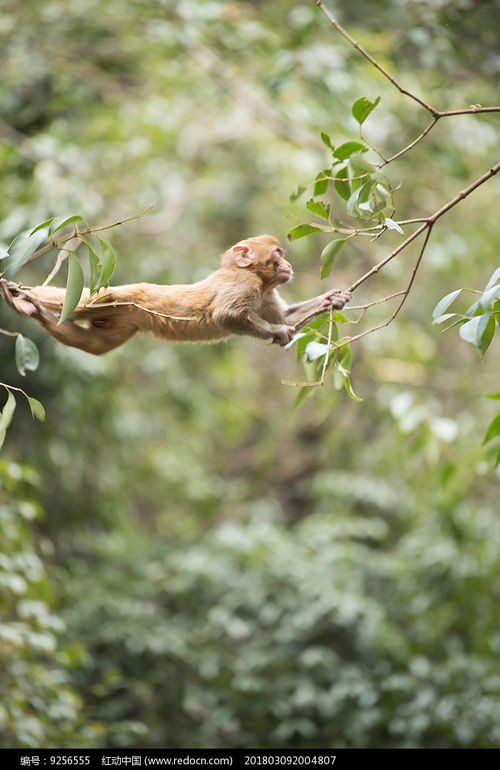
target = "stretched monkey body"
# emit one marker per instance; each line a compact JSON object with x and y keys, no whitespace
{"x":239,"y":298}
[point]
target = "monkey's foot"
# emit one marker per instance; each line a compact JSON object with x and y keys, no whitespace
{"x":19,"y":299}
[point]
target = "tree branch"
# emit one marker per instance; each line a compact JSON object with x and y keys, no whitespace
{"x":427,"y":225}
{"x":474,"y":109}
{"x":77,"y":233}
{"x":373,"y":61}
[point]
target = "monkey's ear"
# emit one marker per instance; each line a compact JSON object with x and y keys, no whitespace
{"x":243,"y":256}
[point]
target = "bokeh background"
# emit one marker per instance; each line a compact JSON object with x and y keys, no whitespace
{"x":186,"y":560}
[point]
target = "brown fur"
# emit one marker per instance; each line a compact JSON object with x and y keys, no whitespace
{"x":239,"y":298}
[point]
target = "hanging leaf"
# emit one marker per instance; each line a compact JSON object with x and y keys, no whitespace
{"x":319,"y":208}
{"x":27,"y":356}
{"x":321,"y":184}
{"x":6,"y":415}
{"x":489,"y":296}
{"x":348,"y":148}
{"x":95,"y":268}
{"x":299,"y":191}
{"x":37,"y":409}
{"x":494,"y":278}
{"x":344,"y":373}
{"x":444,"y":303}
{"x":74,"y":288}
{"x":363,"y":107}
{"x":326,"y":140}
{"x":303,"y":393}
{"x":315,"y":350}
{"x":493,"y":429}
{"x":329,"y":255}
{"x":487,"y":335}
{"x":351,"y":203}
{"x":42,"y":225}
{"x":108,"y":264}
{"x":445,"y":317}
{"x":301,"y":231}
{"x":392,"y":225}
{"x":22,"y":248}
{"x":473,"y":330}
{"x":343,"y":188}
{"x":360,"y":164}
{"x":59,"y":222}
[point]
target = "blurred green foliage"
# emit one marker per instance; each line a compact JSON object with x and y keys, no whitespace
{"x":186,"y":561}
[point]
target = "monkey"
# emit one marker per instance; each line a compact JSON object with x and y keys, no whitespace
{"x":240,"y":298}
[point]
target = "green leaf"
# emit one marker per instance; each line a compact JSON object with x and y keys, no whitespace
{"x":329,"y":255}
{"x":315,"y":350}
{"x":326,"y":140}
{"x":473,"y":330}
{"x":489,"y":296}
{"x":302,"y":230}
{"x":360,"y":164}
{"x":27,"y":356}
{"x":322,"y":184}
{"x":42,"y":225}
{"x":363,"y":107}
{"x":494,"y":278}
{"x":392,"y":225}
{"x":319,"y":324}
{"x":302,"y":340}
{"x":22,"y":248}
{"x":319,"y":208}
{"x":444,"y":303}
{"x":343,"y":188}
{"x":59,"y":222}
{"x":346,"y":150}
{"x":344,"y":357}
{"x":74,"y":288}
{"x":487,"y":335}
{"x":108,"y":263}
{"x":299,"y":191}
{"x":347,"y":381}
{"x":445,"y":317}
{"x":351,"y":203}
{"x":37,"y":409}
{"x":303,"y":393}
{"x":6,"y":415}
{"x":493,"y":429}
{"x":473,"y":309}
{"x":495,"y":396}
{"x":95,"y":268}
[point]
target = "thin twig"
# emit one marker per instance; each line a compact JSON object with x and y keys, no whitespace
{"x":405,"y":293}
{"x":329,"y":346}
{"x":412,"y":144}
{"x":77,"y":233}
{"x":375,"y":302}
{"x":427,"y":224}
{"x":373,"y":61}
{"x":474,"y":109}
{"x":57,"y":266}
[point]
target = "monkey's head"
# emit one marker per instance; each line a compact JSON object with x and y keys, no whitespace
{"x":263,"y":255}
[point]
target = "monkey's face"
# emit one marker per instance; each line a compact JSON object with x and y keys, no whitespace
{"x":282,"y":269}
{"x":263,"y":255}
